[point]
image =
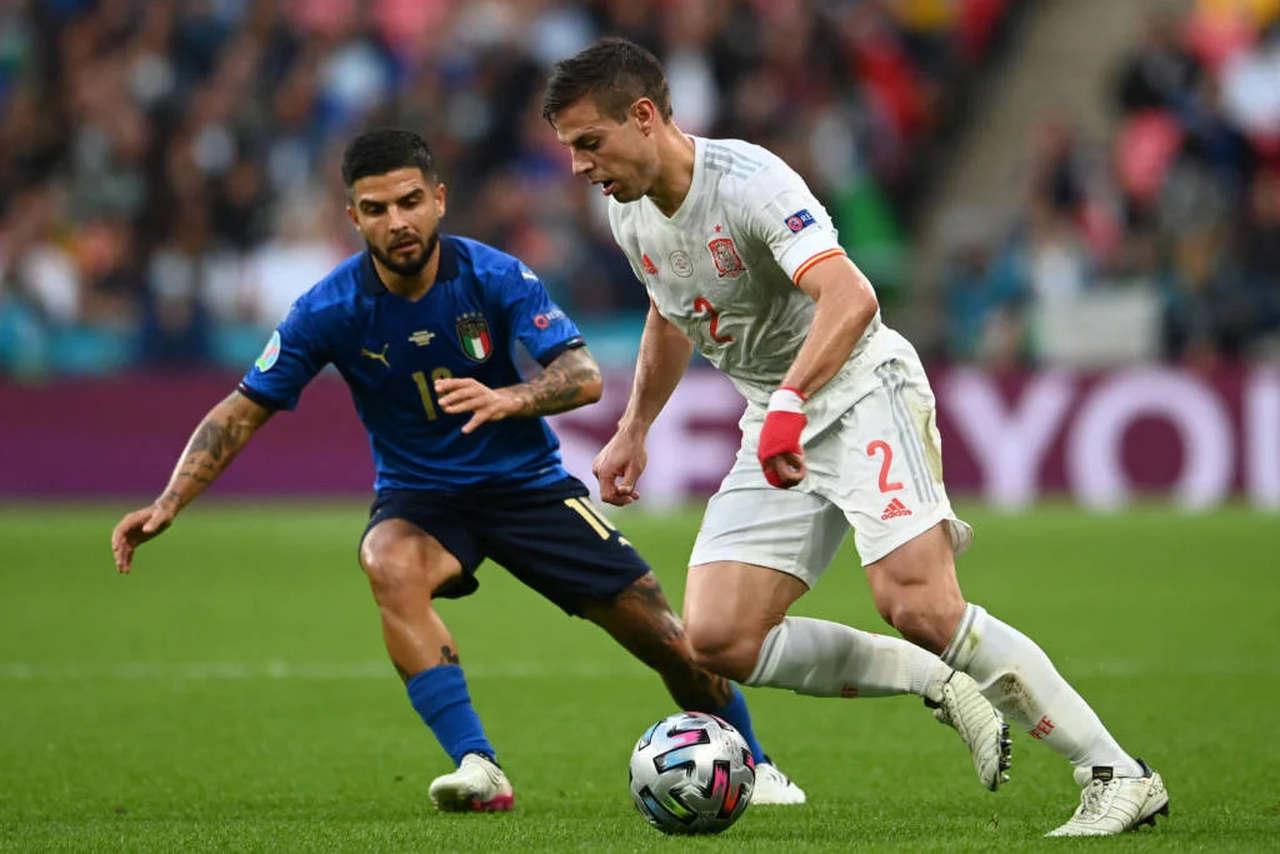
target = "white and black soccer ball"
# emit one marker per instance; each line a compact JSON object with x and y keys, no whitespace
{"x":692,"y":773}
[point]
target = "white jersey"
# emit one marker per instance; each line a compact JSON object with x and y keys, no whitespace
{"x":723,"y":268}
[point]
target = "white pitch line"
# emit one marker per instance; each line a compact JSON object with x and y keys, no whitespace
{"x":200,"y":671}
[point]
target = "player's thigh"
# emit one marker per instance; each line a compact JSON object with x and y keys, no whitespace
{"x":881,"y":464}
{"x":560,"y":544}
{"x":922,"y":569}
{"x":413,"y":542}
{"x":791,"y":531}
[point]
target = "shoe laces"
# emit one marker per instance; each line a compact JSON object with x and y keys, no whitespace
{"x":1094,"y":799}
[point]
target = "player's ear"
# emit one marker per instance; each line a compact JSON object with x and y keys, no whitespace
{"x":441,"y":195}
{"x":351,"y":215}
{"x":644,"y":113}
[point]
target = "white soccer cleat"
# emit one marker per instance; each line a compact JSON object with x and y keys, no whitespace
{"x":960,"y":705}
{"x":1111,"y":805}
{"x":477,"y":786}
{"x":773,"y":788}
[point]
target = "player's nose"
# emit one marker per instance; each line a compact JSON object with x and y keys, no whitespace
{"x":581,"y":164}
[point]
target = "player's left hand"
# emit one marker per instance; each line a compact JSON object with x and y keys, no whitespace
{"x":780,"y":453}
{"x":465,"y":394}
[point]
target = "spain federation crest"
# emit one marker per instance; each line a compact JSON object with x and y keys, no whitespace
{"x":725,"y":254}
{"x":473,"y":334}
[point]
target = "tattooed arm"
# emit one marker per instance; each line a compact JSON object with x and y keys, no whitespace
{"x":214,"y":444}
{"x":571,"y":380}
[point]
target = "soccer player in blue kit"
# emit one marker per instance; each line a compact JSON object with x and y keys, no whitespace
{"x":422,"y":327}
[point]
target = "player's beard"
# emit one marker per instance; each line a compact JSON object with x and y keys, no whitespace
{"x":407,"y":268}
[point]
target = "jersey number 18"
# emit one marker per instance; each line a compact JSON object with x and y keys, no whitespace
{"x":424,"y":389}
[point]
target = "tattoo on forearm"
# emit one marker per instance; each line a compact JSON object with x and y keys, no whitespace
{"x":450,"y":657}
{"x":211,"y":437}
{"x":559,"y":386}
{"x":212,"y":447}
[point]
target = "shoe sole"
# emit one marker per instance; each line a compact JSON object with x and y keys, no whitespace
{"x":1006,"y":758}
{"x":460,"y":802}
{"x":1150,"y":818}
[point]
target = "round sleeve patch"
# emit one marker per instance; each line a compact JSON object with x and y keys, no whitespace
{"x":269,"y":353}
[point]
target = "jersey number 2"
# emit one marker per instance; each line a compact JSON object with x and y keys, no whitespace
{"x":424,"y":389}
{"x":882,"y":445}
{"x":702,"y":305}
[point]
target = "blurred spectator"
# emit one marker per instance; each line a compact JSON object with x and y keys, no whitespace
{"x":168,"y":169}
{"x":1187,"y":206}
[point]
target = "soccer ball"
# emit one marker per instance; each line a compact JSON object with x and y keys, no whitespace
{"x":692,"y":773}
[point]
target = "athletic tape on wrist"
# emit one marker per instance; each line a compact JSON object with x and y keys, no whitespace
{"x":786,"y":400}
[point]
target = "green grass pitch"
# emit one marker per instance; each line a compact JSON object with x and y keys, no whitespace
{"x":233,"y":694}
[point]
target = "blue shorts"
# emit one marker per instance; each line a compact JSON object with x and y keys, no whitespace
{"x":551,"y":538}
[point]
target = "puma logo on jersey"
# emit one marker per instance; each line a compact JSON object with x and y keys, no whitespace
{"x":649,"y":267}
{"x":377,"y":357}
{"x":422,"y":337}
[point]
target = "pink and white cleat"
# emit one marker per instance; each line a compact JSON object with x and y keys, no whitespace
{"x":478,"y":785}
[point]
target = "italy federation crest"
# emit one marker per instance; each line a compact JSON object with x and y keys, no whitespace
{"x":725,"y":254}
{"x":473,"y":333}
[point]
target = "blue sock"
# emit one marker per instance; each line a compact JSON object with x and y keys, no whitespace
{"x":440,"y":696}
{"x":735,"y":712}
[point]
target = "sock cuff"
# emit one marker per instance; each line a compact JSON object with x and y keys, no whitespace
{"x":770,"y":649}
{"x":736,"y":700}
{"x":959,"y":650}
{"x":434,"y":682}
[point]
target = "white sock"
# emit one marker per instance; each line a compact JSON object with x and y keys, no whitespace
{"x":1019,"y":680}
{"x":828,"y":659}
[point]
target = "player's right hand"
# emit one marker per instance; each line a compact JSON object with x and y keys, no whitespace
{"x":135,"y":529}
{"x":618,"y":466}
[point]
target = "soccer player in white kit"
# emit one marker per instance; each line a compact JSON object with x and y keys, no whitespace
{"x":741,"y":261}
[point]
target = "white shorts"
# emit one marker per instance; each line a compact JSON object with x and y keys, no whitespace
{"x":876,"y":468}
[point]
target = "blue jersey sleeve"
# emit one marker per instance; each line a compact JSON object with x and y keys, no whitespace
{"x":537,"y":322}
{"x":295,"y":354}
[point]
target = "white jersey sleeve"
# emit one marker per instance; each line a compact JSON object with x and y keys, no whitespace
{"x":784,"y":215}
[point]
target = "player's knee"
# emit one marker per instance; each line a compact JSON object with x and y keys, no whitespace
{"x":925,"y":618}
{"x":722,"y":648}
{"x":399,"y":567}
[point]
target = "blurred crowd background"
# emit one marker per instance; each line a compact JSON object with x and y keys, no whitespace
{"x":169,"y":168}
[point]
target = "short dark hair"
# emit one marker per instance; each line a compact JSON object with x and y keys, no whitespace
{"x":616,"y":72}
{"x":384,"y":150}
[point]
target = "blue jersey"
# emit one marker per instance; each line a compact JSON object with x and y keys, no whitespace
{"x":390,"y":350}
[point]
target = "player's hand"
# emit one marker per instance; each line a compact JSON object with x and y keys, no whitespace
{"x":465,"y":394}
{"x":780,"y":453}
{"x":618,"y":466}
{"x":135,"y":529}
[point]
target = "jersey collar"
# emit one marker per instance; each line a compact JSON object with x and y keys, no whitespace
{"x":447,"y":270}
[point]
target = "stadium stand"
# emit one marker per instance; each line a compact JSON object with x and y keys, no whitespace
{"x":168,"y":170}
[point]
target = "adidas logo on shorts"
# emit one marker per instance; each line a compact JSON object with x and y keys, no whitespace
{"x":896,"y":508}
